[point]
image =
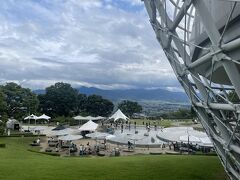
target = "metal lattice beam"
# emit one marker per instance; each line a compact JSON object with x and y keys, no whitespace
{"x":200,"y":62}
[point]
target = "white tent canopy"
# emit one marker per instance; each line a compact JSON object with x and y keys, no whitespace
{"x":70,"y":137}
{"x":206,"y":142}
{"x":89,"y":126}
{"x":110,"y":137}
{"x":99,"y":118}
{"x":44,"y":116}
{"x":58,"y":133}
{"x":190,"y":138}
{"x":80,"y":118}
{"x":118,"y":115}
{"x":32,"y":116}
{"x":87,"y":118}
{"x":98,"y":135}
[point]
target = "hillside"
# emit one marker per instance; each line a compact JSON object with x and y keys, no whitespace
{"x":157,"y":95}
{"x":138,"y":95}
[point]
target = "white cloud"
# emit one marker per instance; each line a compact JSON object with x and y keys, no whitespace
{"x":91,"y":43}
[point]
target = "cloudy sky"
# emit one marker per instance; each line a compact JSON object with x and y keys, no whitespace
{"x":107,"y":44}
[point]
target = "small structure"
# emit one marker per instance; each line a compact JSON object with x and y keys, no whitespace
{"x":118,"y":115}
{"x":13,"y":124}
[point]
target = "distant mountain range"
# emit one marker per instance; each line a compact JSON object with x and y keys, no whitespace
{"x":159,"y":95}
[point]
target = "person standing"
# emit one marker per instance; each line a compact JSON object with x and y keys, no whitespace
{"x":148,"y":128}
{"x":81,"y":149}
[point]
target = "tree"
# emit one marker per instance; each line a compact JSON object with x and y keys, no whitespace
{"x":3,"y":103}
{"x":81,"y":103}
{"x":97,"y":106}
{"x":20,"y":101}
{"x":129,"y":107}
{"x":60,"y":100}
{"x":3,"y":108}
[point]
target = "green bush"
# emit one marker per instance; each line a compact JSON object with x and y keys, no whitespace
{"x":2,"y":145}
{"x":73,"y":122}
{"x":22,"y":134}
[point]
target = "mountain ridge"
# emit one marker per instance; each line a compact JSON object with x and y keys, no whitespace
{"x":133,"y":94}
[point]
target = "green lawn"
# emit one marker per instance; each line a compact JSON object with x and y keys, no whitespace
{"x":18,"y":163}
{"x":163,"y":123}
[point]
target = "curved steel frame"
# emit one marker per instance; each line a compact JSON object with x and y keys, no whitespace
{"x":218,"y":115}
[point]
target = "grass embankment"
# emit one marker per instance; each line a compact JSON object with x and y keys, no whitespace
{"x":18,"y":163}
{"x":164,"y":123}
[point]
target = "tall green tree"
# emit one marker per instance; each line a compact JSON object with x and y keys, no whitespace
{"x":20,"y":101}
{"x":59,"y":100}
{"x":81,"y":103}
{"x":3,"y":103}
{"x":130,"y":107}
{"x":3,"y":109}
{"x":97,"y":106}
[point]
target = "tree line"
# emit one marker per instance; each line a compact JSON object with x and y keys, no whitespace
{"x":59,"y":99}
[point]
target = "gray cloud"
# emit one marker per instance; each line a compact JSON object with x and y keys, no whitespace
{"x":92,"y":43}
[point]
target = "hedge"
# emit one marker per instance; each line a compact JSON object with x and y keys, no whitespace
{"x":2,"y":145}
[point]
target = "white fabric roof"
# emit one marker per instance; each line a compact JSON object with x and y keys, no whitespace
{"x":99,"y":118}
{"x":119,"y":115}
{"x":87,"y":118}
{"x":58,"y":133}
{"x":32,"y":116}
{"x":181,"y":134}
{"x":206,"y":141}
{"x":89,"y":126}
{"x":98,"y":135}
{"x":44,"y":116}
{"x":192,"y":139}
{"x":70,"y":137}
{"x":80,"y":118}
{"x":110,"y":137}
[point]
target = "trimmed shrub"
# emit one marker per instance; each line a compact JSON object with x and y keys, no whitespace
{"x":2,"y":145}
